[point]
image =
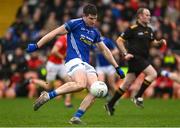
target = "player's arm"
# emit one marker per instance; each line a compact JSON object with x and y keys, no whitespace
{"x":159,"y":43}
{"x":170,"y":75}
{"x":115,"y":53}
{"x":55,"y":51}
{"x":120,"y":43}
{"x":48,"y":37}
{"x":108,"y":55}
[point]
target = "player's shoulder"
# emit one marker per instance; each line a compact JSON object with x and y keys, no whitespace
{"x":76,"y":20}
{"x":150,"y":27}
{"x":133,"y":26}
{"x":96,"y":30}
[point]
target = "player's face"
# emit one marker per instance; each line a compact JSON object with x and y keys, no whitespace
{"x":91,"y":20}
{"x":146,"y":16}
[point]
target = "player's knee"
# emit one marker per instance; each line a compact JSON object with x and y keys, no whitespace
{"x":151,"y":77}
{"x":154,"y":75}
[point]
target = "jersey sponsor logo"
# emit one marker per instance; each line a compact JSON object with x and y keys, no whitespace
{"x":86,"y":40}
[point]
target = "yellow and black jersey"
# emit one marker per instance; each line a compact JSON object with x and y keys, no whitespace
{"x":138,"y":39}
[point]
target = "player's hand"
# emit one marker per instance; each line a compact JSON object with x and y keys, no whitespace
{"x":164,"y":42}
{"x":120,"y":72}
{"x":128,"y":56}
{"x":31,"y":48}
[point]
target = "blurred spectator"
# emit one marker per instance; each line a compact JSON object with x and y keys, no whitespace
{"x":51,"y":23}
{"x":34,"y":62}
{"x":70,"y":8}
{"x":37,"y":19}
{"x":163,"y":88}
{"x":24,"y":12}
{"x":18,"y":66}
{"x":56,"y":6}
{"x":171,"y":12}
{"x":169,"y":60}
{"x":158,"y":11}
{"x":117,"y":8}
{"x":166,"y":28}
{"x":174,"y":41}
{"x":128,"y":12}
{"x":16,"y":34}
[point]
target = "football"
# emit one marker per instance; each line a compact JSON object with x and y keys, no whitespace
{"x":99,"y":89}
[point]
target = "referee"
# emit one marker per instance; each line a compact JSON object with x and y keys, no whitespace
{"x":139,"y":38}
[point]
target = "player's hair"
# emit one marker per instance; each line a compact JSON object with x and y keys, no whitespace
{"x":139,"y":11}
{"x":90,"y":9}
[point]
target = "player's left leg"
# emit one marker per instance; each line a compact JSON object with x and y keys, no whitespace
{"x":86,"y":103}
{"x":151,"y":75}
{"x":89,"y":99}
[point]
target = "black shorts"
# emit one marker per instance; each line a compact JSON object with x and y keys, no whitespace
{"x":137,"y":64}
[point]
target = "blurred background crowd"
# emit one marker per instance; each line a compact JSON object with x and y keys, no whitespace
{"x":35,"y":18}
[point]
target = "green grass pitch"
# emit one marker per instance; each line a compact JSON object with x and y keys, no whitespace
{"x":157,"y":113}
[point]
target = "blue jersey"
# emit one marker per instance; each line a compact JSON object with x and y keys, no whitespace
{"x":80,"y":39}
{"x":100,"y":59}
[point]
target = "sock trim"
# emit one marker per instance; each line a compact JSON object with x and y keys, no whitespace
{"x":52,"y":94}
{"x":120,"y":91}
{"x":79,"y":113}
{"x":146,"y":82}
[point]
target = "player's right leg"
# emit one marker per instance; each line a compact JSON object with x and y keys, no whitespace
{"x":40,"y":83}
{"x":62,"y":73}
{"x":151,"y":75}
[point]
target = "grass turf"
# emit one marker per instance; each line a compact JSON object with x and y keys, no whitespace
{"x":157,"y":113}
